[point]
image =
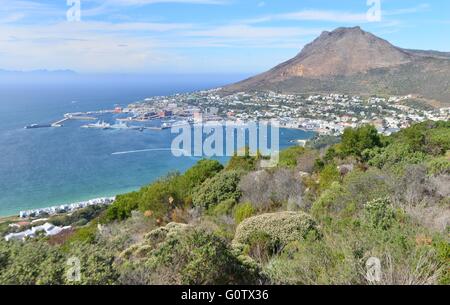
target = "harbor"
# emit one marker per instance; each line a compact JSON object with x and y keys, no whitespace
{"x":121,"y":123}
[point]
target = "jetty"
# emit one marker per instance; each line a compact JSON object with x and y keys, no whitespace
{"x":72,"y":116}
{"x":59,"y":123}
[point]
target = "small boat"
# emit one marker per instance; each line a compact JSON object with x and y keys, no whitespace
{"x":32,"y":126}
{"x":166,"y":125}
{"x":180,"y":123}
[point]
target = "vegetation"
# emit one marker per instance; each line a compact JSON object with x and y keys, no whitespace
{"x":316,"y":218}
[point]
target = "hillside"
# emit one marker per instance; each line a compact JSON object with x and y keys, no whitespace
{"x":352,"y":61}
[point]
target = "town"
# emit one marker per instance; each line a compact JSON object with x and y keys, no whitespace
{"x":325,"y":114}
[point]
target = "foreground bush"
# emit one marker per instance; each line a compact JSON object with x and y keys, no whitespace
{"x":282,"y":228}
{"x":180,"y":254}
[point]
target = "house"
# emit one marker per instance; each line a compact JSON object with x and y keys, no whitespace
{"x":47,"y":229}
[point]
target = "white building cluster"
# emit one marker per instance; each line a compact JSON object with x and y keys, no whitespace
{"x":66,"y":208}
{"x":46,"y":229}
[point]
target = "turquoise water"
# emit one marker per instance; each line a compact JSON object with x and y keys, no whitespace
{"x":49,"y":166}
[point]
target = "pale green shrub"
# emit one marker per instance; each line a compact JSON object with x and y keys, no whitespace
{"x":282,"y":227}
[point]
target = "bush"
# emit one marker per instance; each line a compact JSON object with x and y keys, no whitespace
{"x":243,"y":211}
{"x":78,"y":217}
{"x":223,"y":186}
{"x":289,"y":156}
{"x":282,"y":227}
{"x":31,"y":263}
{"x":123,"y":206}
{"x":96,"y":262}
{"x":379,"y":213}
{"x":161,"y":196}
{"x":269,"y":189}
{"x":328,"y":175}
{"x":86,"y":234}
{"x":355,"y":141}
{"x":261,"y":247}
{"x":243,"y":163}
{"x":439,"y":166}
{"x":201,"y":171}
{"x":184,"y":255}
{"x":223,"y":208}
{"x":350,"y":196}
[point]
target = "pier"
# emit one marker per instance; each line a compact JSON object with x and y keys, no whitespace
{"x":59,"y":123}
{"x":69,"y":116}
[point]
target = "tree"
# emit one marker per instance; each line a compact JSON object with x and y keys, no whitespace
{"x":355,"y":141}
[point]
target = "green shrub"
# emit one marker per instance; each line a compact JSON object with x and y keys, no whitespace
{"x":78,"y":217}
{"x":328,"y":175}
{"x":379,"y":213}
{"x":261,"y":247}
{"x":161,"y":196}
{"x":86,"y":234}
{"x":355,"y":141}
{"x":439,"y":166}
{"x":282,"y":227}
{"x":190,"y":256}
{"x":289,"y":156}
{"x":96,"y":262}
{"x":223,"y":208}
{"x":223,"y":186}
{"x":123,"y":206}
{"x":201,"y":171}
{"x":243,"y":211}
{"x":329,"y":201}
{"x":246,"y":162}
{"x":30,"y":263}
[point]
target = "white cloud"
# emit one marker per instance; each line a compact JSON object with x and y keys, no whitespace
{"x":313,"y":15}
{"x":410,"y":10}
{"x":88,"y":47}
{"x":146,"y":2}
{"x":252,"y":32}
{"x":12,"y":18}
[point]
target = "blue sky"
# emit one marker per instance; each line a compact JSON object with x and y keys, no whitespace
{"x":198,"y":36}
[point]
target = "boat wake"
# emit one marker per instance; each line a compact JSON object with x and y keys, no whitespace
{"x":148,"y":150}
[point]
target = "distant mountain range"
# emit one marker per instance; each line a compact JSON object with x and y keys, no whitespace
{"x":37,"y":72}
{"x":352,"y":61}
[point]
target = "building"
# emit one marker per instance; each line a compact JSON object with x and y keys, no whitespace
{"x":165,"y":113}
{"x":47,"y":229}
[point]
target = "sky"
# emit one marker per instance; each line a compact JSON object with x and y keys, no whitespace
{"x":199,"y":36}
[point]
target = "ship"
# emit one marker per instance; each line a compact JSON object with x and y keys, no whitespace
{"x":98,"y":125}
{"x":120,"y":125}
{"x":32,"y":126}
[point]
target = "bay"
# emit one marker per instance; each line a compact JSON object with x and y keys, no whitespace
{"x":51,"y":166}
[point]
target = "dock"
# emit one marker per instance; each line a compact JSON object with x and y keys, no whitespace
{"x":72,"y":117}
{"x":59,"y":123}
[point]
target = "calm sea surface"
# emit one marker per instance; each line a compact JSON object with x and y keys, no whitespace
{"x":50,"y":166}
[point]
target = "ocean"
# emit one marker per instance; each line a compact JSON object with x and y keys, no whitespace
{"x":51,"y":166}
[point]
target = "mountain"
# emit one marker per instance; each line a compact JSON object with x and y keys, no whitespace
{"x":37,"y":72}
{"x":350,"y":60}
